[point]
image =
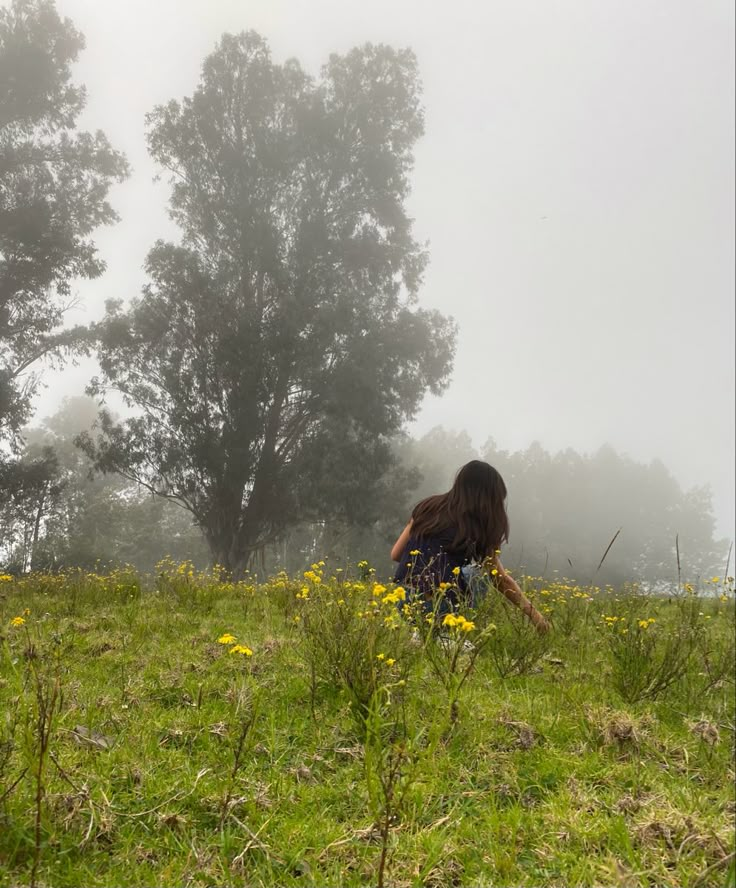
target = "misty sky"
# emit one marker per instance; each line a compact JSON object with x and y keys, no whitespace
{"x":575,"y":184}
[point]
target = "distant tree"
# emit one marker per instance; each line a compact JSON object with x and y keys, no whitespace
{"x":57,"y":515}
{"x":277,"y":348}
{"x":53,"y":187}
{"x":32,"y":487}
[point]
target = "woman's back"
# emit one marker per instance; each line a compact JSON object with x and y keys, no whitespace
{"x":429,"y":560}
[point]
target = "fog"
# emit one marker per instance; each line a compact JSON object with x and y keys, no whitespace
{"x":575,"y":184}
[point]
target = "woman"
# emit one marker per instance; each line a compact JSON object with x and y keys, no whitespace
{"x":449,"y":534}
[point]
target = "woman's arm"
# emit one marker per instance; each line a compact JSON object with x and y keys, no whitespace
{"x":511,"y":590}
{"x":400,"y":544}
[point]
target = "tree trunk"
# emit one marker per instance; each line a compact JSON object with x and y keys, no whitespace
{"x":37,"y":526}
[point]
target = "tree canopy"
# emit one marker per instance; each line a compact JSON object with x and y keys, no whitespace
{"x":54,"y":182}
{"x":279,"y":345}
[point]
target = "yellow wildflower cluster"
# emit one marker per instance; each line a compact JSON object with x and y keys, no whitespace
{"x":241,"y":649}
{"x":457,"y":621}
{"x":6,"y":578}
{"x":394,"y":597}
{"x":645,"y":624}
{"x":389,"y":661}
{"x":230,"y":639}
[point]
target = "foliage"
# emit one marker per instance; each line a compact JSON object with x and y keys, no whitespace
{"x":351,"y":636}
{"x":648,"y":657}
{"x":451,"y":642}
{"x":53,"y":194}
{"x":278,"y":347}
{"x":516,"y":649}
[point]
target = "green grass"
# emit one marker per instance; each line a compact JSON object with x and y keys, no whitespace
{"x":547,"y":778}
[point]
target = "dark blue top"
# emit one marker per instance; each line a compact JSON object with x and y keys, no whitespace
{"x":432,"y":565}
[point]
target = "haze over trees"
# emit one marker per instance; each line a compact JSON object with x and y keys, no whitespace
{"x":564,"y":510}
{"x":277,"y":352}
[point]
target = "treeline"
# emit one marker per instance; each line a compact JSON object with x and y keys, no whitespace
{"x":565,"y":508}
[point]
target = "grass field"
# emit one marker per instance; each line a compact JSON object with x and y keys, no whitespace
{"x":185,"y":730}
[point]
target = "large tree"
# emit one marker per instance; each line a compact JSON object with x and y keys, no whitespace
{"x":54,"y":182}
{"x":279,"y":345}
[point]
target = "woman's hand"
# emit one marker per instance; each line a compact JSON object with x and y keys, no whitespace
{"x":541,"y":625}
{"x":512,"y":591}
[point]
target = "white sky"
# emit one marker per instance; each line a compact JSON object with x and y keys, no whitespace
{"x":576,"y":185}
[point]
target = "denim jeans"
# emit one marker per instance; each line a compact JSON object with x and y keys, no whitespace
{"x":477,"y":582}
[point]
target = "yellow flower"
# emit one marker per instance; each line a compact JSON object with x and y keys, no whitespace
{"x":6,"y":578}
{"x":494,"y":573}
{"x":394,"y":597}
{"x":227,"y":638}
{"x":390,"y":661}
{"x":241,"y":649}
{"x":467,"y":625}
{"x":450,"y":620}
{"x":456,"y":571}
{"x":415,"y":552}
{"x":715,"y":580}
{"x":17,"y":621}
{"x":380,"y":656}
{"x":378,"y":589}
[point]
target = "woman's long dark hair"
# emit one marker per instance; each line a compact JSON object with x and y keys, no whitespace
{"x":475,"y":506}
